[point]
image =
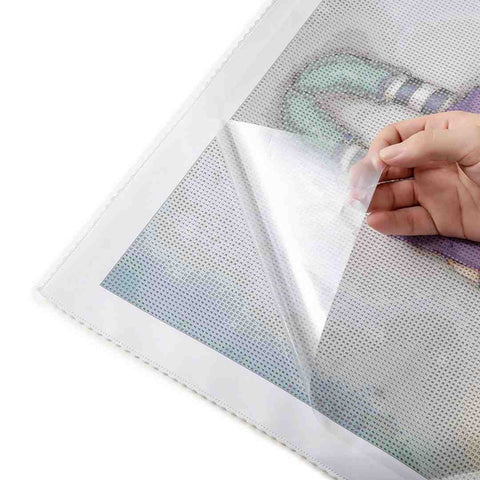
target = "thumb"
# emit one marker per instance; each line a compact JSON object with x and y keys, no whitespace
{"x":460,"y":145}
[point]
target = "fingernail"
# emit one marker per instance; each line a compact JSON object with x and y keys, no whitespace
{"x":393,"y":152}
{"x":378,"y":164}
{"x":375,"y":161}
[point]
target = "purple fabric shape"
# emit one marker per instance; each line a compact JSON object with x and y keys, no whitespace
{"x":469,"y":103}
{"x":465,"y":252}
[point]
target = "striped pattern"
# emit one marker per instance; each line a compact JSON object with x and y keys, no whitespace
{"x":419,"y":96}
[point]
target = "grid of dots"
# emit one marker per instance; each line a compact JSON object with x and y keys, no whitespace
{"x":399,"y":362}
{"x":196,"y":268}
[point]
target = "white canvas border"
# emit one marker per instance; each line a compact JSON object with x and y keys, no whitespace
{"x":73,"y":285}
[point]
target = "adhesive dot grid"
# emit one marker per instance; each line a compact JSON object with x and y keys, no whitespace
{"x":196,"y":268}
{"x":398,"y":364}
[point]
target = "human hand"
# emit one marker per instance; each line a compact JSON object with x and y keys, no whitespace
{"x":436,"y":160}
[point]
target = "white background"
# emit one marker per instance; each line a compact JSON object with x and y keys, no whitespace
{"x":84,"y":88}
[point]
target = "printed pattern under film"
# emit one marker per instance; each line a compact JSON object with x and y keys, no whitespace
{"x":399,"y":363}
{"x":195,"y":267}
{"x":350,"y":74}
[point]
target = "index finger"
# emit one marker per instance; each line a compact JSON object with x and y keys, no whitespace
{"x":400,"y":131}
{"x":390,"y":135}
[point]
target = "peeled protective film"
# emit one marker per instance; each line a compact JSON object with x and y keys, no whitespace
{"x":305,"y":199}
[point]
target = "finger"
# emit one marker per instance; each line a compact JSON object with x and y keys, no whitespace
{"x":438,"y":121}
{"x":406,"y":221}
{"x":394,"y":134}
{"x":396,"y":173}
{"x":363,"y":178}
{"x":387,"y":136}
{"x":394,"y":195}
{"x":453,"y":145}
{"x":401,"y":131}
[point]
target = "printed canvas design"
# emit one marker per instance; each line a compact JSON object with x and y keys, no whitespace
{"x":352,"y":75}
{"x":398,"y":363}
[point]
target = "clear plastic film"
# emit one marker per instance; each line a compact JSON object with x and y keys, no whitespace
{"x":305,"y":199}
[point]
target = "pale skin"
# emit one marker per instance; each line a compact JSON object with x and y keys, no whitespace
{"x":435,"y":161}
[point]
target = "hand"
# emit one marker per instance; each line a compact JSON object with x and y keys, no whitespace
{"x":436,"y":159}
